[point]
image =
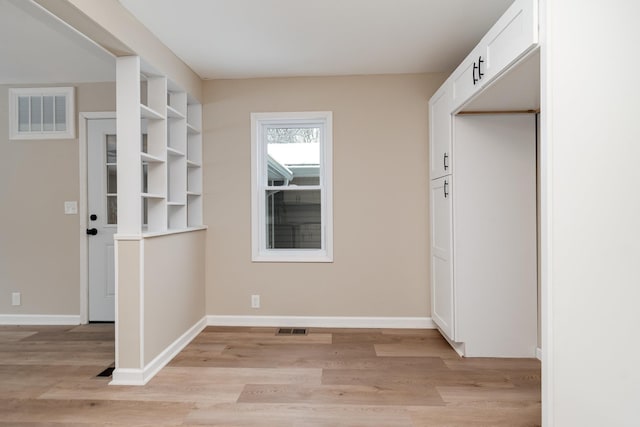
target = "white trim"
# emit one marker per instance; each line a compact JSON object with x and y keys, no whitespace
{"x":539,"y":353}
{"x":83,"y":201}
{"x":39,"y":319}
{"x":126,"y":376}
{"x":323,"y":322}
{"x":141,"y":285}
{"x":259,"y":252}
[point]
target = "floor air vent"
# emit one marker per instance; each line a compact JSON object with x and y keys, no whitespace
{"x":292,"y":331}
{"x":106,"y":373}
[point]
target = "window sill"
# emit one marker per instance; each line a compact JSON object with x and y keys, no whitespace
{"x":285,"y":255}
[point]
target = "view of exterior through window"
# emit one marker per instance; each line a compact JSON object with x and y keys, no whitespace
{"x":291,"y":171}
{"x":293,"y":160}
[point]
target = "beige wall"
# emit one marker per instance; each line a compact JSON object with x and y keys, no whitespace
{"x":39,"y":244}
{"x":174,"y":292}
{"x":380,"y":166}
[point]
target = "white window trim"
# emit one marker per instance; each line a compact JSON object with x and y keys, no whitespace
{"x":260,"y":253}
{"x":67,"y":92}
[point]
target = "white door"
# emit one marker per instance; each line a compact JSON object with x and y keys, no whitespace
{"x":442,"y":302}
{"x":102,"y":221}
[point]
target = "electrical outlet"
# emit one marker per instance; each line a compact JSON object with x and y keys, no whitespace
{"x":255,"y":301}
{"x":15,"y":298}
{"x":71,"y":207}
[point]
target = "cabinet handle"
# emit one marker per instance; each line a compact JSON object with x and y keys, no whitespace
{"x":473,"y":73}
{"x":444,"y":161}
{"x":446,"y":187}
{"x":480,"y":62}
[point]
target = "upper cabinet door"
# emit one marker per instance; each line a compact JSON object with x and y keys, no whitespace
{"x":469,"y":77}
{"x":515,"y":33}
{"x":440,"y":132}
{"x":511,"y":37}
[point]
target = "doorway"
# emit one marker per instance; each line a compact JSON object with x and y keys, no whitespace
{"x":101,"y":217}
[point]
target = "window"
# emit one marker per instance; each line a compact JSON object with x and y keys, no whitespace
{"x":292,"y":216}
{"x":41,"y":113}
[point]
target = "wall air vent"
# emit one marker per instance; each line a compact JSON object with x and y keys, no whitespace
{"x":42,"y":113}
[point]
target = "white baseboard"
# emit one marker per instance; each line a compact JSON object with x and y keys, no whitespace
{"x":128,"y":376}
{"x":323,"y":322}
{"x":39,"y":319}
{"x":539,"y":353}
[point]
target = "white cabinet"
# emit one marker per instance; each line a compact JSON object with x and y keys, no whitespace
{"x":510,"y":38}
{"x":483,"y":229}
{"x":442,"y":309}
{"x":440,"y":132}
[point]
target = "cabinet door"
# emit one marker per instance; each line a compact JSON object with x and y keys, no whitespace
{"x":515,"y":33}
{"x":442,"y":302}
{"x":440,"y":132}
{"x":469,"y":77}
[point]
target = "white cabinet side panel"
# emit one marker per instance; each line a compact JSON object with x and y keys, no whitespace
{"x":495,"y":235}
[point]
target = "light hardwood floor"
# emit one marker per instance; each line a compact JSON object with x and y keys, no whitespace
{"x":253,"y":377}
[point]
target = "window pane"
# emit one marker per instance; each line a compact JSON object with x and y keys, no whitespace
{"x":143,"y":143}
{"x":47,"y":110}
{"x":112,"y":181}
{"x":61,"y":113}
{"x":145,"y":178}
{"x":293,"y":219}
{"x":23,"y":113}
{"x":36,"y":110}
{"x":111,"y":149}
{"x":293,"y":156}
{"x":112,"y":210}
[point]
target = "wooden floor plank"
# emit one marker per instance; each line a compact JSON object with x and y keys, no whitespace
{"x":253,"y":377}
{"x":299,"y":415}
{"x":340,"y":395}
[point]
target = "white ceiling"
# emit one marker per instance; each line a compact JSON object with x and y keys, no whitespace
{"x":269,"y":38}
{"x":37,"y":48}
{"x":257,"y":38}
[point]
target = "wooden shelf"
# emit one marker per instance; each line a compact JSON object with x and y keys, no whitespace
{"x":148,"y":113}
{"x":172,"y":113}
{"x":193,"y":193}
{"x":192,"y":164}
{"x":152,"y":196}
{"x":145,"y":157}
{"x":192,"y":129}
{"x":174,"y":152}
{"x":176,"y":204}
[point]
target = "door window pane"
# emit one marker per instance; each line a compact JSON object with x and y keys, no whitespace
{"x":112,"y":181}
{"x":112,"y":210}
{"x":111,"y":149}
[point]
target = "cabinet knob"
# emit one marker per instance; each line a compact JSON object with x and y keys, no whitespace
{"x":446,"y":189}
{"x":480,"y":62}
{"x":444,"y":161}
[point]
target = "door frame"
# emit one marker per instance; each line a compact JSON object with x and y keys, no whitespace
{"x":83,"y":208}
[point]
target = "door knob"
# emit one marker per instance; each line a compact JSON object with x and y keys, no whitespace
{"x":92,"y":231}
{"x":93,"y":217}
